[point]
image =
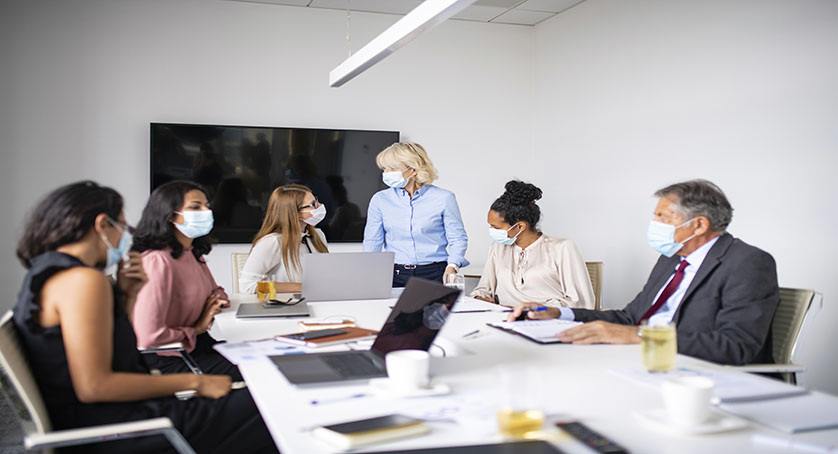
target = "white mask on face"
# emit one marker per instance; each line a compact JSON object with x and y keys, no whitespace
{"x":317,"y":215}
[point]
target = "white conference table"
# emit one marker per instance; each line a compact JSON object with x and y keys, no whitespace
{"x":577,"y":383}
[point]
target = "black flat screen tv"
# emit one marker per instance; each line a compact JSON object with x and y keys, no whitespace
{"x":239,"y":167}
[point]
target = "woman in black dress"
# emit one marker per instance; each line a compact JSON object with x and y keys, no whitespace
{"x":80,"y":343}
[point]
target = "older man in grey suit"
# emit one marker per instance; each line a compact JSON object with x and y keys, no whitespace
{"x":720,"y":292}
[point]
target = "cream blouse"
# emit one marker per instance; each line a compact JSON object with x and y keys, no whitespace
{"x":550,"y":271}
{"x":265,"y":262}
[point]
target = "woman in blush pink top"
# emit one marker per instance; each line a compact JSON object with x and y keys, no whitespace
{"x":181,"y":298}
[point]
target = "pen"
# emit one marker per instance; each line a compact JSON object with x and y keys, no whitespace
{"x":472,"y":311}
{"x":338,"y":399}
{"x":471,"y":333}
{"x":530,"y":309}
{"x":796,"y":446}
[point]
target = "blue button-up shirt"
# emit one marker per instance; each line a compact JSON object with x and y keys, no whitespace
{"x":417,"y":230}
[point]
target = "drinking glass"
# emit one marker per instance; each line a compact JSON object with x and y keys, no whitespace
{"x":660,"y":345}
{"x":265,"y":290}
{"x":518,"y":411}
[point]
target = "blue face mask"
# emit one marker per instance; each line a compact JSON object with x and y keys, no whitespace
{"x":500,"y":235}
{"x":394,"y":179}
{"x":115,"y":254}
{"x":661,"y":237}
{"x":195,"y":223}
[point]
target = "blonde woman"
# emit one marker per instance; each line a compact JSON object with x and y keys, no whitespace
{"x":414,"y":219}
{"x":287,"y":231}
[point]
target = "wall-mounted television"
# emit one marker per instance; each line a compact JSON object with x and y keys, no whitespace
{"x":239,"y":166}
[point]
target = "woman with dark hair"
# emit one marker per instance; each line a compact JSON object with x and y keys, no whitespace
{"x":78,"y":340}
{"x":525,"y":265}
{"x":181,"y":298}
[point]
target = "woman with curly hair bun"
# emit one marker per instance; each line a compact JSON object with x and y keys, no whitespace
{"x":525,"y":265}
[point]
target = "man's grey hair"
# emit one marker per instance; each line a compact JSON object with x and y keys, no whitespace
{"x":700,"y":198}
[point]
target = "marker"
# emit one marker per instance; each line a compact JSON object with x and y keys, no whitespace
{"x":338,"y":399}
{"x":530,"y":309}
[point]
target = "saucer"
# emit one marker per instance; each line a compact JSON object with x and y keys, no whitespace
{"x":717,"y":423}
{"x":384,"y":386}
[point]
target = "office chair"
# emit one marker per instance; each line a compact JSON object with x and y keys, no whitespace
{"x":22,"y":392}
{"x":595,"y":273}
{"x":239,"y":259}
{"x":796,"y":308}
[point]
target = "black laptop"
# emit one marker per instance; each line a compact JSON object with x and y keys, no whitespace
{"x":413,"y":324}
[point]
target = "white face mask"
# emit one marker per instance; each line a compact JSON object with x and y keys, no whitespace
{"x":661,"y":237}
{"x":195,"y":223}
{"x":317,"y":215}
{"x":500,"y":236}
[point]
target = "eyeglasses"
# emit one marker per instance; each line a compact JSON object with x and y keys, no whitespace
{"x":291,"y":302}
{"x":314,"y":204}
{"x":123,"y":226}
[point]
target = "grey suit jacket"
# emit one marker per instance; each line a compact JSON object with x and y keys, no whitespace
{"x":727,"y":310}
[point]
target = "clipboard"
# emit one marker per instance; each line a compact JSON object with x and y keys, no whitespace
{"x":538,"y":331}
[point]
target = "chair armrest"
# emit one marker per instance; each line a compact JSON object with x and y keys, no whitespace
{"x":71,"y":437}
{"x":770,"y":368}
{"x":173,"y":347}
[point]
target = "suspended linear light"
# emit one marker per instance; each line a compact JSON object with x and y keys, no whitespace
{"x":424,"y":17}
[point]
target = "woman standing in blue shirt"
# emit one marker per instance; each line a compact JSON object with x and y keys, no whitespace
{"x":414,"y":219}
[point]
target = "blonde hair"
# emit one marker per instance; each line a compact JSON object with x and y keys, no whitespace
{"x":408,"y":154}
{"x":283,"y":217}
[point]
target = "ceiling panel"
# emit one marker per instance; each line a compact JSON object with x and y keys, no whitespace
{"x":506,"y":4}
{"x":553,"y":6}
{"x":522,"y":17}
{"x":376,"y":6}
{"x":480,"y":13}
{"x":278,"y":2}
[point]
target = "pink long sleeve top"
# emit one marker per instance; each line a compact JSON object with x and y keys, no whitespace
{"x":172,"y":300}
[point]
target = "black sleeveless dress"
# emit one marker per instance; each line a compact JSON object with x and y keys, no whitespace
{"x":229,"y":424}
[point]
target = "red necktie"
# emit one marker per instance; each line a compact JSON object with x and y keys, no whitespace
{"x":667,"y":292}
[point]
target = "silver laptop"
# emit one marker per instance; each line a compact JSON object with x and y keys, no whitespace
{"x":347,"y":276}
{"x":258,"y":310}
{"x":413,"y":324}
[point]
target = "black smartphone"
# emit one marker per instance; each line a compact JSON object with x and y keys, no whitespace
{"x":309,"y":335}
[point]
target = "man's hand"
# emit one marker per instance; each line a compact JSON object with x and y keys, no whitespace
{"x":600,"y":332}
{"x":551,"y":312}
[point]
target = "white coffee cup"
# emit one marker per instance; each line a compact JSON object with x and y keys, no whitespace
{"x":408,"y":369}
{"x":687,"y":399}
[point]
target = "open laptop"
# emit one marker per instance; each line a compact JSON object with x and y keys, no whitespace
{"x":413,"y":323}
{"x":258,"y":310}
{"x":347,"y":276}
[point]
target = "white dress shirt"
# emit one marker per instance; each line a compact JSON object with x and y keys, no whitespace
{"x":265,"y":262}
{"x":550,"y":271}
{"x":667,"y":311}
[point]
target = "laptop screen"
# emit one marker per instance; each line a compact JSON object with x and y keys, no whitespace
{"x":417,"y":317}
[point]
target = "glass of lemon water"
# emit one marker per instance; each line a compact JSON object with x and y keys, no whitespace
{"x":660,"y":345}
{"x":265,"y":290}
{"x":519,"y":414}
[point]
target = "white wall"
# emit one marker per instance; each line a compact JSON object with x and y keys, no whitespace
{"x":81,"y":80}
{"x":599,"y":106}
{"x":632,"y":96}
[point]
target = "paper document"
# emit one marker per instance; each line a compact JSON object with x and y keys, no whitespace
{"x":813,"y":411}
{"x":541,"y":331}
{"x":730,"y":386}
{"x":236,"y":352}
{"x":467,"y":304}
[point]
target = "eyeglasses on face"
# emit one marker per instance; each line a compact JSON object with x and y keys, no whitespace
{"x":314,"y":204}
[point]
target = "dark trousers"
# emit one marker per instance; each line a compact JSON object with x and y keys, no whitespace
{"x":209,"y":360}
{"x":431,"y":272}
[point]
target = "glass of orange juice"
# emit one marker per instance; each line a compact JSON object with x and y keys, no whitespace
{"x":265,"y":290}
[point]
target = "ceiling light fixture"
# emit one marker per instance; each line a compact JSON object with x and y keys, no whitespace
{"x":424,"y":17}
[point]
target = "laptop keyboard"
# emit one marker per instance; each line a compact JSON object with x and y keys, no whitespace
{"x":351,"y":365}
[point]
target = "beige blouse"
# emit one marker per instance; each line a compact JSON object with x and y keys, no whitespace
{"x":550,"y":271}
{"x":265,"y":262}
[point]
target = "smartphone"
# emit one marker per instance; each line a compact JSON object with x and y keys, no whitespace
{"x":309,"y":335}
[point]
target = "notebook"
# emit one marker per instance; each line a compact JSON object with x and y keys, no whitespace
{"x":352,"y":434}
{"x":540,"y":331}
{"x":352,"y":334}
{"x":807,"y":412}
